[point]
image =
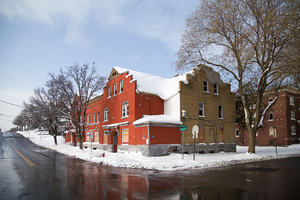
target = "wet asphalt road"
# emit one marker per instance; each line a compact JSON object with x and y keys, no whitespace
{"x":32,"y":172}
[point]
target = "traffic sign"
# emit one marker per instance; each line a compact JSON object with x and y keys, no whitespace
{"x":183,"y":127}
{"x":195,"y":131}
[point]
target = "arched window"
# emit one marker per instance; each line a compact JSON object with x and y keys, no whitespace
{"x":201,"y":109}
{"x":271,"y":116}
{"x":105,"y":115}
{"x":98,"y":115}
{"x":125,"y":109}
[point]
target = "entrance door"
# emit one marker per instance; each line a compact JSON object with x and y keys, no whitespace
{"x":115,"y":142}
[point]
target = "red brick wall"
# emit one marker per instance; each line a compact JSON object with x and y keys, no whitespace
{"x":165,"y":135}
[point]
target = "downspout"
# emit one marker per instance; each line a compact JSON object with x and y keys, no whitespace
{"x":149,"y":139}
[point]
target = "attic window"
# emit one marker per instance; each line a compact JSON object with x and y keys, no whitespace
{"x":114,"y":74}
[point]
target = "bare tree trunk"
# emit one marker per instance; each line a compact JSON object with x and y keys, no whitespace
{"x":55,"y":139}
{"x":252,"y":139}
{"x":80,"y":142}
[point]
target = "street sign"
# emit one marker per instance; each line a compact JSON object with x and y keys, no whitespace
{"x":183,"y":127}
{"x":195,"y":131}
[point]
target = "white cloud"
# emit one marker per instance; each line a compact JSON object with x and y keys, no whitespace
{"x":151,"y":19}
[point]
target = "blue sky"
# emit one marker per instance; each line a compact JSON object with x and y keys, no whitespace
{"x":42,"y":36}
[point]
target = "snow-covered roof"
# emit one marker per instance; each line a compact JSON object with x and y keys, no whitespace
{"x":165,"y":88}
{"x":157,"y":119}
{"x":115,"y":125}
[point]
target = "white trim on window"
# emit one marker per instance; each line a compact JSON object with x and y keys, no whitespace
{"x":201,"y":109}
{"x":109,"y":92}
{"x":105,"y":114}
{"x":115,"y":89}
{"x":293,"y":115}
{"x":292,"y":103}
{"x":121,"y":86}
{"x":216,"y":89}
{"x":125,"y":109}
{"x":205,"y":86}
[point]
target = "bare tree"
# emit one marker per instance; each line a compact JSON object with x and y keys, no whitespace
{"x":20,"y":120}
{"x":79,"y":84}
{"x":250,"y":42}
{"x":46,"y":108}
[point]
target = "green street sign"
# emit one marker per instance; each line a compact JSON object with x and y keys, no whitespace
{"x":183,"y":127}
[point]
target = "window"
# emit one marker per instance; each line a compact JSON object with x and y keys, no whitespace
{"x":270,"y":100}
{"x":237,"y":134}
{"x":115,"y":89}
{"x":98,"y":115}
{"x":201,"y":109}
{"x":293,"y":130}
{"x":205,"y":86}
{"x":292,"y":101}
{"x":105,"y":137}
{"x":109,"y":92}
{"x":271,"y":116}
{"x":105,"y":115}
{"x":94,"y":117}
{"x":216,"y":88}
{"x":87,"y":138}
{"x":220,"y":112}
{"x":292,"y":115}
{"x":125,"y":109}
{"x":87,"y":118}
{"x":121,"y":86}
{"x":125,"y":138}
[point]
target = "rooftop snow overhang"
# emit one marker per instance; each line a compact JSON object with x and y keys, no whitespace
{"x":115,"y":125}
{"x":157,"y":120}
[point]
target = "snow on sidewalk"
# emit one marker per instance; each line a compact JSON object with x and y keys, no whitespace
{"x":173,"y":161}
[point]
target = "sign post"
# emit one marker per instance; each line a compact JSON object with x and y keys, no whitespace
{"x":91,"y":138}
{"x":274,"y":135}
{"x":195,"y":132}
{"x":182,"y":128}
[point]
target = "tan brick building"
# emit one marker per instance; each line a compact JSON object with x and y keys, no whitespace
{"x":206,"y":101}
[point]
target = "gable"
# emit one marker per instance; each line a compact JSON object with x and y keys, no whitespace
{"x":113,"y":74}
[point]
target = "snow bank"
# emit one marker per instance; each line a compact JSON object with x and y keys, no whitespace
{"x":172,"y":162}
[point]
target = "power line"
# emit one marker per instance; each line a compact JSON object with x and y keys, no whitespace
{"x":11,"y":104}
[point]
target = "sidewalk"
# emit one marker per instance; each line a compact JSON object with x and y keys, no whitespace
{"x":172,"y":162}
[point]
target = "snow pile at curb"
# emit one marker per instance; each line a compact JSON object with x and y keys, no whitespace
{"x":173,"y":161}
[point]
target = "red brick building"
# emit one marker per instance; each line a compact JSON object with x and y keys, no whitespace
{"x":139,"y":112}
{"x":281,"y":123}
{"x":127,"y":99}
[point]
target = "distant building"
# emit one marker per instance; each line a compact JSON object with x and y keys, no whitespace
{"x":281,"y":124}
{"x":139,"y":112}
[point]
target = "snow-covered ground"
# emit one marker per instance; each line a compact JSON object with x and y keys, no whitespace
{"x":173,"y":161}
